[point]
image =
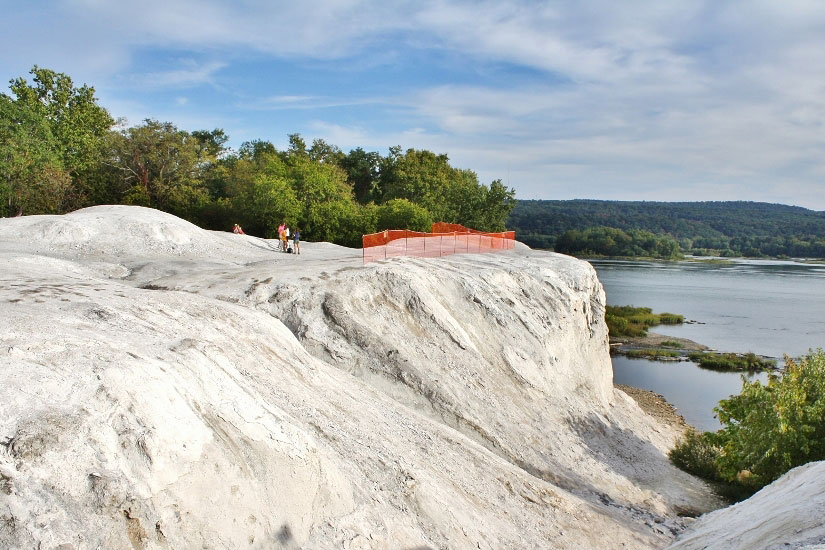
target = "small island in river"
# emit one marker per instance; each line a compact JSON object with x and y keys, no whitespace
{"x":629,"y":336}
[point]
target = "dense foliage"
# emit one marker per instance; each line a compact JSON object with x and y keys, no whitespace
{"x":634,"y":321}
{"x":52,"y":141}
{"x":608,"y":241}
{"x":60,"y":150}
{"x":719,"y":228}
{"x":767,"y":429}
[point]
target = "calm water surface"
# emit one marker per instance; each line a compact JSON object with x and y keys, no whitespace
{"x":768,"y":307}
{"x":693,"y":391}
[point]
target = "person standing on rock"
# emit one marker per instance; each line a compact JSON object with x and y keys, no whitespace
{"x":296,"y":241}
{"x":285,"y":239}
{"x":281,"y":235}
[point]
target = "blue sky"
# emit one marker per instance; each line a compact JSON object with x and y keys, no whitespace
{"x":693,"y":100}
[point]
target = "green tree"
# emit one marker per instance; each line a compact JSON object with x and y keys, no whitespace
{"x":403,"y":214}
{"x":723,"y":228}
{"x":32,"y":178}
{"x":268,"y":201}
{"x":158,"y":166}
{"x":305,"y":189}
{"x":211,"y":144}
{"x":422,"y":177}
{"x":297,"y":146}
{"x":362,"y":170}
{"x":497,"y":203}
{"x":339,"y":221}
{"x":449,"y":194}
{"x":323,"y":152}
{"x":258,"y":190}
{"x":65,"y":135}
{"x":329,"y":210}
{"x":77,"y":123}
{"x":256,"y":150}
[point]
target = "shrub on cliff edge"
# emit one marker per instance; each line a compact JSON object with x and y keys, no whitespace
{"x":767,"y":429}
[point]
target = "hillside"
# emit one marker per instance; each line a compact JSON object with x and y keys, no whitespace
{"x":729,"y":228}
{"x":163,"y":386}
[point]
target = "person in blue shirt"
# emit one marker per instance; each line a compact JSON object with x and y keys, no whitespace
{"x":296,"y":241}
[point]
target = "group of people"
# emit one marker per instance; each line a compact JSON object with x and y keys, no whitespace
{"x":283,"y":237}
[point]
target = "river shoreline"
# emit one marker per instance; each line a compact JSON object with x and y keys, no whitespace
{"x":656,"y":406}
{"x":659,"y":347}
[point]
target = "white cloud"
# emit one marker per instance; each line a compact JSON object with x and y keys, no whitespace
{"x":188,"y":74}
{"x":305,"y":102}
{"x":686,"y":99}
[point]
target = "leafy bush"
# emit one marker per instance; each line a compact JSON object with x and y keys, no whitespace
{"x":767,"y":429}
{"x":403,"y":214}
{"x":697,"y":454}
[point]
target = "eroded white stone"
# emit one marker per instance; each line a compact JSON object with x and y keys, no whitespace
{"x":162,"y":386}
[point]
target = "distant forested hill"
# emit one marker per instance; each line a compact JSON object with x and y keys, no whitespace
{"x":724,"y":228}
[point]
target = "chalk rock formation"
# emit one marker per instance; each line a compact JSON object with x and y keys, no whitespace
{"x":163,"y":386}
{"x":787,"y":514}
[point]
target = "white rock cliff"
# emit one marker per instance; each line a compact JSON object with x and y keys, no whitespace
{"x":162,"y":386}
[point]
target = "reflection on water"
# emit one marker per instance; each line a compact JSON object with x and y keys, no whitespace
{"x":771,"y":308}
{"x":693,"y":391}
{"x":768,"y":307}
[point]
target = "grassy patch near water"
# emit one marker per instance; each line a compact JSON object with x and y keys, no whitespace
{"x":670,"y":344}
{"x":650,"y":353}
{"x":634,"y":321}
{"x":731,"y":361}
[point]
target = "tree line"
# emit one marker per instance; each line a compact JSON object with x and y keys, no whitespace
{"x":734,"y":228}
{"x":609,"y":241}
{"x":60,"y":151}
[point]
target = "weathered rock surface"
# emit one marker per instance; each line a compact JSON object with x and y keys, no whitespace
{"x":163,"y":386}
{"x":789,"y":514}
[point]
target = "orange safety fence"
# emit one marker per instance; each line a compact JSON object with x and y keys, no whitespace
{"x":457,"y":240}
{"x":444,"y":227}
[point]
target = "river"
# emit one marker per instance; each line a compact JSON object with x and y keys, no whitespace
{"x":768,"y":307}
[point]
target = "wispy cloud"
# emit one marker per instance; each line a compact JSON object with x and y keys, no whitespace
{"x":681,"y":99}
{"x":189,"y":74}
{"x":299,"y":102}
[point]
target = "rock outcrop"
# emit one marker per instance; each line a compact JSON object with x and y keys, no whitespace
{"x":168,"y":387}
{"x":786,"y":515}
